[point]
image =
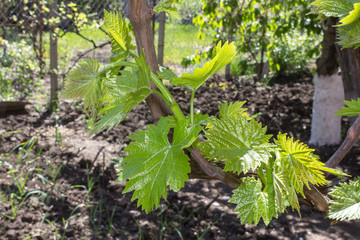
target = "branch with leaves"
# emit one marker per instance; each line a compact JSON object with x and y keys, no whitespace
{"x":273,"y":173}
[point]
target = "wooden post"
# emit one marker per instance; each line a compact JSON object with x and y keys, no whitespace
{"x":53,"y":60}
{"x":41,"y":25}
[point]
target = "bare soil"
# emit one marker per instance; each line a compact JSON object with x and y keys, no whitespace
{"x":66,"y":207}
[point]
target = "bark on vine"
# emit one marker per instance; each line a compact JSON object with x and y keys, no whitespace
{"x":140,"y":15}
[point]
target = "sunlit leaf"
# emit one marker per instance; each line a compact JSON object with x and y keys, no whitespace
{"x":224,"y":55}
{"x":84,"y":83}
{"x":349,"y":35}
{"x":233,"y":110}
{"x":352,"y":108}
{"x":165,"y":73}
{"x":241,"y":144}
{"x":345,"y":203}
{"x":154,"y":164}
{"x":353,"y":16}
{"x":334,"y":8}
{"x":300,"y":164}
{"x":167,"y":6}
{"x":119,"y":34}
{"x":252,"y":203}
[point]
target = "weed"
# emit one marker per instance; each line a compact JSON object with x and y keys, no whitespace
{"x":20,"y":180}
{"x":111,"y":218}
{"x":25,"y":149}
{"x":90,"y":183}
{"x":16,"y":202}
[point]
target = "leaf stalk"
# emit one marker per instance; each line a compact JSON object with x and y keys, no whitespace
{"x":168,"y":98}
{"x":117,"y":64}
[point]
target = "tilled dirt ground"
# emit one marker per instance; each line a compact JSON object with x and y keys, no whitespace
{"x":74,"y":176}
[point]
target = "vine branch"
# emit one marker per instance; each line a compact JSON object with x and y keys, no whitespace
{"x":351,"y":139}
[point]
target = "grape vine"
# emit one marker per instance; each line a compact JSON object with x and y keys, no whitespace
{"x":272,"y":173}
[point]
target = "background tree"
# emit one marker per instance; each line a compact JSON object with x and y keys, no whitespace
{"x":264,"y":31}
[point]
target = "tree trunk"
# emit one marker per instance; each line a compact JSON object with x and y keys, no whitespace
{"x":140,"y":15}
{"x":161,"y":40}
{"x":53,"y":61}
{"x":350,"y":70}
{"x":328,"y":92}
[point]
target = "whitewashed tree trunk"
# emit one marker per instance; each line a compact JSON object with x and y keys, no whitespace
{"x":329,"y":92}
{"x":328,"y":99}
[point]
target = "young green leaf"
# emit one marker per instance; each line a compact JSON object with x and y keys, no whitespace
{"x":119,"y":34}
{"x":241,"y":144}
{"x":353,"y":16}
{"x":349,"y":12}
{"x":300,"y":164}
{"x":117,"y":29}
{"x":225,"y":54}
{"x":334,"y":8}
{"x":352,"y":108}
{"x":349,"y":35}
{"x":167,"y":6}
{"x":125,"y":93}
{"x":233,"y":110}
{"x":201,"y":119}
{"x":252,"y":202}
{"x":116,"y":111}
{"x":345,"y":204}
{"x":285,"y":192}
{"x":166,"y":73}
{"x":84,"y":83}
{"x":154,"y":163}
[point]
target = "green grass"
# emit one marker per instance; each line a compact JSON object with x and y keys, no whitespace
{"x":74,"y":41}
{"x":181,"y":41}
{"x":71,"y":43}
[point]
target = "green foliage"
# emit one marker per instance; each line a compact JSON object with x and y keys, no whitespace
{"x":233,"y":110}
{"x":302,"y":166}
{"x":352,"y":108}
{"x":188,"y":9}
{"x":224,"y":55}
{"x":18,"y":66}
{"x":241,"y":144}
{"x":157,"y":160}
{"x":165,"y":73}
{"x":154,"y":163}
{"x":85,"y":83}
{"x":120,"y":38}
{"x":349,"y":12}
{"x":345,"y":203}
{"x":253,"y":203}
{"x":263,"y":30}
{"x":167,"y":6}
